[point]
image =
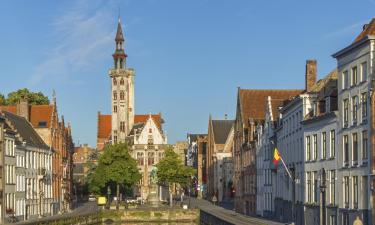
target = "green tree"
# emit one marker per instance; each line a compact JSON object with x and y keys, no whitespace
{"x":2,"y":100}
{"x":116,"y":166}
{"x":171,"y":170}
{"x":34,"y":98}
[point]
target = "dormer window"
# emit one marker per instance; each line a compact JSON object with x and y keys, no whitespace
{"x":42,"y":124}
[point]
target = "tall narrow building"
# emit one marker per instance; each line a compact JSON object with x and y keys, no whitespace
{"x":122,"y":86}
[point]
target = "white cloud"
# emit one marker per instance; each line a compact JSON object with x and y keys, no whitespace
{"x":82,"y":34}
{"x":351,"y":29}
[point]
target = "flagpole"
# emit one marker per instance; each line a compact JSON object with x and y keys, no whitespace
{"x":287,"y":170}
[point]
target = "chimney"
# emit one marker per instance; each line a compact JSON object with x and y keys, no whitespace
{"x":23,"y":108}
{"x":310,"y":75}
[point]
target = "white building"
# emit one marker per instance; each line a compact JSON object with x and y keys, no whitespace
{"x":355,"y":65}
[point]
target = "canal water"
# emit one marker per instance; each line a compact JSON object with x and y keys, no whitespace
{"x":148,"y":223}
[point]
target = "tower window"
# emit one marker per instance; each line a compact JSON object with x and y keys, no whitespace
{"x":122,"y":95}
{"x":115,"y":108}
{"x":114,"y":95}
{"x":114,"y":81}
{"x":122,"y":126}
{"x":122,"y":81}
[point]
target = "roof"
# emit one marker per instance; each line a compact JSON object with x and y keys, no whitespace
{"x":368,"y":29}
{"x":253,"y":101}
{"x":39,"y":114}
{"x":137,"y":128}
{"x":221,"y":129}
{"x":320,"y":84}
{"x":25,"y":130}
{"x":104,"y":125}
{"x":119,"y":34}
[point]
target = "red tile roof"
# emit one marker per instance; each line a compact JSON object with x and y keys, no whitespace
{"x":38,"y":113}
{"x":253,"y":102}
{"x":105,"y":123}
{"x":369,"y":29}
{"x":104,"y":126}
{"x":41,"y":113}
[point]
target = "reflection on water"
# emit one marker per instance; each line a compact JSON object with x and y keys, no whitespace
{"x":157,"y":223}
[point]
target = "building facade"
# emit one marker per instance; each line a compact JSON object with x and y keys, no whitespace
{"x":355,"y":65}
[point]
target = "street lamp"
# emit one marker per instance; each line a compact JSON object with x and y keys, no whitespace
{"x":323,"y":196}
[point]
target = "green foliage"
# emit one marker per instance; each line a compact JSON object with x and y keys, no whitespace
{"x":34,"y":98}
{"x":115,"y":165}
{"x":171,"y":169}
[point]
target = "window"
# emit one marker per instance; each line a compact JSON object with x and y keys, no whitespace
{"x":122,"y":126}
{"x":355,"y":192}
{"x":115,"y":139}
{"x":316,"y":189}
{"x":364,"y":71}
{"x":114,"y":95}
{"x":114,"y":81}
{"x":332,"y":186}
{"x":115,"y":108}
{"x":354,"y":76}
{"x":140,"y":158}
{"x":42,"y":124}
{"x":332,"y":144}
{"x":151,"y":158}
{"x":315,"y":147}
{"x":345,"y":80}
{"x":122,"y":81}
{"x":332,"y":220}
{"x":346,"y":111}
{"x":324,"y":145}
{"x":345,"y":218}
{"x":355,"y":148}
{"x":308,"y":149}
{"x":354,"y":109}
{"x":346,"y":150}
{"x":364,"y":145}
{"x":364,"y":106}
{"x":346,"y":192}
{"x":309,"y":187}
{"x":122,"y":95}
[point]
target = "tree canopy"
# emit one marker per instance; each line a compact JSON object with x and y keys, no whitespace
{"x":116,"y":166}
{"x":170,"y":169}
{"x":34,"y":98}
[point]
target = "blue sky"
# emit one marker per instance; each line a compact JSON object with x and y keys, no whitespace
{"x":189,"y":56}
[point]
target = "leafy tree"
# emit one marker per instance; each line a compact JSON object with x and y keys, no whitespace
{"x":2,"y":100}
{"x":171,"y":170}
{"x":34,"y":98}
{"x":116,"y":166}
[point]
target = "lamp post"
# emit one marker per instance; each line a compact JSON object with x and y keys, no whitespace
{"x":323,"y":197}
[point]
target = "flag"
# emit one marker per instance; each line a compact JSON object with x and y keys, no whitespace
{"x":276,"y":157}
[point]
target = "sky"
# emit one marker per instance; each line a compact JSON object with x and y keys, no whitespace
{"x":190,"y":57}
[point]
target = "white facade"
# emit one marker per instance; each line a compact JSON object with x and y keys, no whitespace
{"x":355,"y":71}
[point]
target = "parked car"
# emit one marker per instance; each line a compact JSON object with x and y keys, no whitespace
{"x":92,"y":198}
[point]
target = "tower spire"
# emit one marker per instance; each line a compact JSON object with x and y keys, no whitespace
{"x":119,"y":56}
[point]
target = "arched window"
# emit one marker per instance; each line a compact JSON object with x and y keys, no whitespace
{"x":122,"y":81}
{"x":114,"y":95}
{"x":122,"y":95}
{"x":114,"y":81}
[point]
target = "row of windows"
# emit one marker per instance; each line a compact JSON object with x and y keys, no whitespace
{"x":355,"y":148}
{"x":312,"y":146}
{"x":122,"y":81}
{"x":354,"y":109}
{"x":9,"y":202}
{"x":351,"y":191}
{"x":313,"y":190}
{"x":20,"y":207}
{"x":150,"y":158}
{"x":122,"y":95}
{"x":9,"y":147}
{"x":36,"y":160}
{"x":350,"y":80}
{"x":20,"y":161}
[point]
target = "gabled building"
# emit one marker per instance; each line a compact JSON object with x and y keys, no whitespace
{"x":250,"y":111}
{"x":57,"y":135}
{"x":219,"y":146}
{"x":28,"y":168}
